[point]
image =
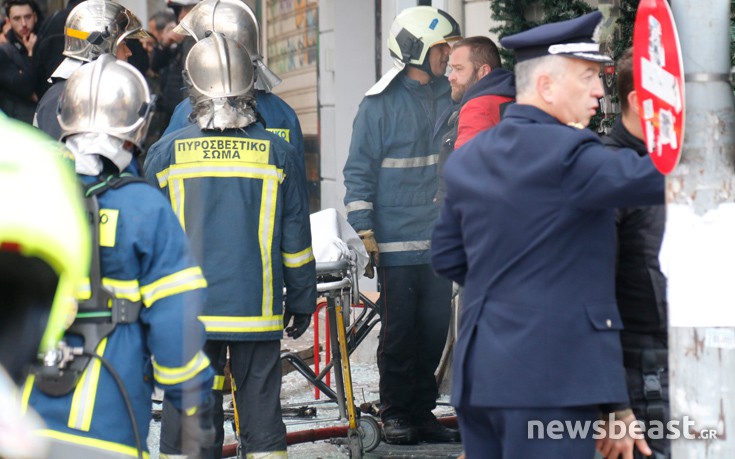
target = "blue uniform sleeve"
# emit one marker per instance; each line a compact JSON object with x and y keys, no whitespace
{"x":156,"y":161}
{"x":362,"y":167}
{"x":179,"y":118}
{"x":299,"y":267}
{"x":448,"y":255}
{"x":597,"y":177}
{"x":172,"y":287}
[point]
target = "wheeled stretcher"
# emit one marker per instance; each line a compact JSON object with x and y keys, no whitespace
{"x":341,"y":258}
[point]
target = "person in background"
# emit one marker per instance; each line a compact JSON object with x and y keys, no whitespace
{"x":481,"y":90}
{"x":49,"y":47}
{"x":167,"y":61}
{"x":4,"y":27}
{"x":112,"y":24}
{"x":640,"y":286}
{"x":528,"y":228}
{"x":160,"y":23}
{"x":391,"y":180}
{"x":17,"y":94}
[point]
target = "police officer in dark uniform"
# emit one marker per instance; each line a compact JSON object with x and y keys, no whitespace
{"x":640,"y":286}
{"x":528,"y":228}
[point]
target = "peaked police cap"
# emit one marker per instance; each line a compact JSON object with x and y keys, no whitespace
{"x":577,"y":38}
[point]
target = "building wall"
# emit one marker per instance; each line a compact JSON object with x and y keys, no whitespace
{"x":347,"y":70}
{"x":290,"y":46}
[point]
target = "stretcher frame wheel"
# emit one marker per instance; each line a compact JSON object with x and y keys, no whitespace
{"x":369,"y":432}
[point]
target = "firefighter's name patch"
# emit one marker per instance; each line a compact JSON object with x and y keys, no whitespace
{"x":222,"y":149}
{"x":285,"y":134}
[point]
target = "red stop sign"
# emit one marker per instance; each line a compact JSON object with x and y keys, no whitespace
{"x":659,"y":84}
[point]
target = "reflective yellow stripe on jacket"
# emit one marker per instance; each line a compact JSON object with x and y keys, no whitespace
{"x":105,"y":449}
{"x":226,"y":324}
{"x":125,"y":289}
{"x":183,"y":281}
{"x":174,"y":177}
{"x":176,"y":375}
{"x":298,"y":259}
{"x":85,"y":394}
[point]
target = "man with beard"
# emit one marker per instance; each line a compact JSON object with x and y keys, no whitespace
{"x":17,"y":97}
{"x":481,"y":89}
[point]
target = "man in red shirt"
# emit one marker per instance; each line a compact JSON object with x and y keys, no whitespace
{"x":481,"y":90}
{"x":480,"y":86}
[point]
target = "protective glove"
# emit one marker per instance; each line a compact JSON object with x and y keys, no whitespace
{"x":368,"y":239}
{"x":300,"y":323}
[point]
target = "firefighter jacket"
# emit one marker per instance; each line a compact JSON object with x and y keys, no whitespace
{"x":144,"y":256}
{"x":238,"y":194}
{"x":278,"y":116}
{"x":390,"y":173}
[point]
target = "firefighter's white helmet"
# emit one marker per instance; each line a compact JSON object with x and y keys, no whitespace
{"x":107,"y":96}
{"x":417,"y":29}
{"x":97,"y":27}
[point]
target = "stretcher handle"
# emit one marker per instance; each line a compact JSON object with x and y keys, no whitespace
{"x":327,"y":267}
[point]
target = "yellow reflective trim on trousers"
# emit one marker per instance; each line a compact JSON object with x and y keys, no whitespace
{"x":219,"y":382}
{"x":182,"y":281}
{"x":225,"y":324}
{"x":26,"y":395}
{"x":125,"y":289}
{"x":85,"y":394}
{"x":266,"y":225}
{"x":92,"y":442}
{"x":295,"y":260}
{"x":176,"y":375}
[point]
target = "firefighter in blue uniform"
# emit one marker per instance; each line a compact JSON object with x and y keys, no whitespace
{"x":391,"y":179}
{"x":139,"y":327}
{"x":237,"y":190}
{"x":234,"y":19}
{"x":528,"y":228}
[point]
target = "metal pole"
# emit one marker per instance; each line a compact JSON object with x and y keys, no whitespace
{"x":698,"y":256}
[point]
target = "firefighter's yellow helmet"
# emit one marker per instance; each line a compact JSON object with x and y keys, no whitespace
{"x":44,"y":244}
